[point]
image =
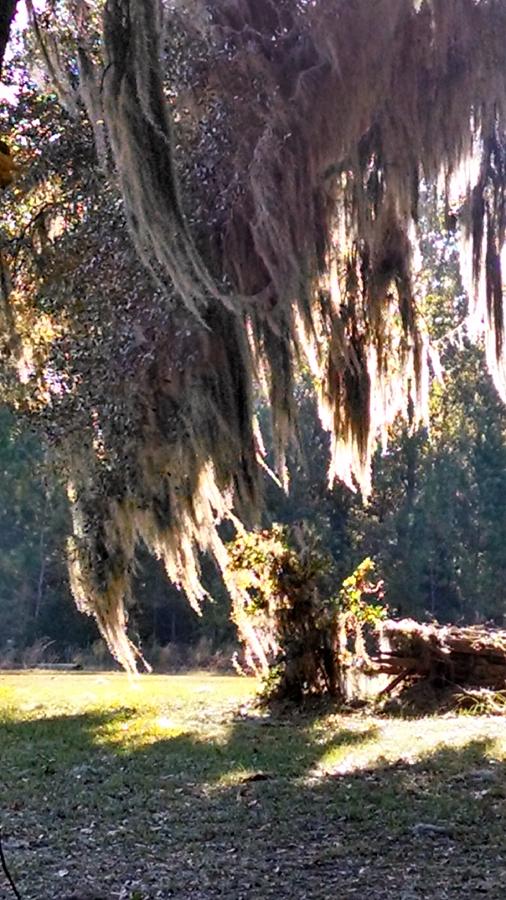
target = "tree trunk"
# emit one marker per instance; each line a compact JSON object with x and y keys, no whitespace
{"x":7,"y":12}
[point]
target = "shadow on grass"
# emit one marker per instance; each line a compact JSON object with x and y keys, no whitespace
{"x":283,"y":748}
{"x":163,"y":821}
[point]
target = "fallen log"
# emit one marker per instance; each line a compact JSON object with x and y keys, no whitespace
{"x":468,"y":656}
{"x":59,"y":667}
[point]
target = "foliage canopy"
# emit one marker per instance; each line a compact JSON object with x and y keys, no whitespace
{"x":264,"y":159}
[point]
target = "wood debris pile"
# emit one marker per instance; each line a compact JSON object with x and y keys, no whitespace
{"x":468,"y":656}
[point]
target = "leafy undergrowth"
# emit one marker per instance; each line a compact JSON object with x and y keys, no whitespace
{"x":174,"y":787}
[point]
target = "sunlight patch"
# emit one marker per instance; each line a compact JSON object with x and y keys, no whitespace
{"x":407,"y":743}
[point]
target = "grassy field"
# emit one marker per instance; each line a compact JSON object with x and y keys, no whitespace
{"x":173,"y":787}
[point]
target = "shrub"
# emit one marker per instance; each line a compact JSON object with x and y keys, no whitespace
{"x":296,"y":633}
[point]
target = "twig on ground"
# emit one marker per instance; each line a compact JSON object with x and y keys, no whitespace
{"x":7,"y":874}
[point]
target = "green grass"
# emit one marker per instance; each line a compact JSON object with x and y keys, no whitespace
{"x":139,"y":789}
